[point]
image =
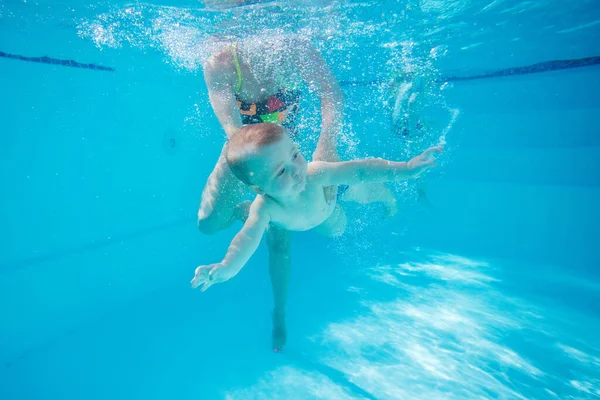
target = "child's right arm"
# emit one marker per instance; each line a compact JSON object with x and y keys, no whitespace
{"x":240,"y":250}
{"x":374,"y":170}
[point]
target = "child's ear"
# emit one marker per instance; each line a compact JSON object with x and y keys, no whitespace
{"x":256,"y":189}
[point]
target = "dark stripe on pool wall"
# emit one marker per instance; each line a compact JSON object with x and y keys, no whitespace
{"x":546,"y":66}
{"x":56,"y":61}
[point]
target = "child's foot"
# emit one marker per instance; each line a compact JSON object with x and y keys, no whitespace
{"x":279,"y":335}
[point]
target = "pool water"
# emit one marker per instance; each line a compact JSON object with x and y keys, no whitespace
{"x":485,"y":285}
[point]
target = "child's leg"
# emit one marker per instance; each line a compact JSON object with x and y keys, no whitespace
{"x":367,"y":193}
{"x":221,"y":197}
{"x":280,"y":266}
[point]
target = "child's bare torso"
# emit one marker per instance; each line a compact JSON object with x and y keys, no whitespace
{"x":306,"y":211}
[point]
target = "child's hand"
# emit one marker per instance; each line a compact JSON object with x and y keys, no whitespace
{"x":425,"y":161}
{"x":211,"y":274}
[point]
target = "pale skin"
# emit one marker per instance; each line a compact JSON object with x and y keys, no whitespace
{"x":222,"y":196}
{"x":290,"y":196}
{"x":304,"y":63}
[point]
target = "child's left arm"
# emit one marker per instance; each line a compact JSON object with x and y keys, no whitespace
{"x":374,"y":169}
{"x":240,"y":250}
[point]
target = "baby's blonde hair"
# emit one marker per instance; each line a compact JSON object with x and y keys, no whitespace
{"x":244,"y":142}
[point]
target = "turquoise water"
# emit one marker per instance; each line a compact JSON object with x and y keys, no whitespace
{"x":488,"y":290}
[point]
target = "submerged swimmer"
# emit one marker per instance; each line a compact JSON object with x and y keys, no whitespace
{"x":407,"y":107}
{"x":256,"y":81}
{"x":290,"y":189}
{"x":407,"y":118}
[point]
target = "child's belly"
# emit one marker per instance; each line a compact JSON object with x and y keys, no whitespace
{"x":305,"y":219}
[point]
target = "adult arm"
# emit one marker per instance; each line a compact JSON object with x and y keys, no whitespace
{"x":316,"y":72}
{"x":218,"y":75}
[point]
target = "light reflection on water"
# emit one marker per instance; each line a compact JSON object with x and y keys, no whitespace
{"x":449,"y":333}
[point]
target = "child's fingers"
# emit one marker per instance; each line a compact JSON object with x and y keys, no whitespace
{"x":201,"y":275}
{"x":437,"y":149}
{"x":207,"y":284}
{"x":201,"y":271}
{"x":197,"y":281}
{"x":206,"y":275}
{"x":433,"y":150}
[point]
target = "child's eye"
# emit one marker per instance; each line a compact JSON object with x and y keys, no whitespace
{"x":281,"y":172}
{"x":295,"y":155}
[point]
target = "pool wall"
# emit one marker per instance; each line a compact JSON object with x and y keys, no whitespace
{"x":102,"y":174}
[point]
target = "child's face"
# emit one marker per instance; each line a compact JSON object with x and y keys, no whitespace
{"x":279,"y":169}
